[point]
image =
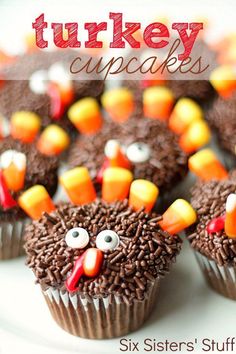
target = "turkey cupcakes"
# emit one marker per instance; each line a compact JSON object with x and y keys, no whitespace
{"x":99,"y":263}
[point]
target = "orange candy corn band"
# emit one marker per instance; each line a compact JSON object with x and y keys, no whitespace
{"x":13,"y":165}
{"x":143,"y":194}
{"x":116,"y":184}
{"x":119,"y":103}
{"x":206,"y":166}
{"x":25,"y":126}
{"x":86,"y":115}
{"x":230,"y":220}
{"x":53,"y":140}
{"x":35,"y":201}
{"x":78,"y":185}
{"x":115,"y":155}
{"x":178,"y":217}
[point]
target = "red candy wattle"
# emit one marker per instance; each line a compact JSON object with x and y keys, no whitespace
{"x":105,"y":165}
{"x":6,"y":200}
{"x":57,"y":104}
{"x":77,"y":273}
{"x":216,"y":225}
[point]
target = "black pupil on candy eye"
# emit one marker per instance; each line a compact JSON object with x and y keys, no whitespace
{"x":108,"y":238}
{"x":140,"y":147}
{"x":75,"y":233}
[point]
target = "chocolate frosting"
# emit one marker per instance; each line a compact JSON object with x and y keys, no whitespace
{"x":40,"y":170}
{"x":166,"y":166}
{"x":16,"y":95}
{"x":145,"y":251}
{"x":209,"y":200}
{"x":222,"y":117}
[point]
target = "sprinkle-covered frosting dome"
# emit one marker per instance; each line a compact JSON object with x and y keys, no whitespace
{"x":128,"y":249}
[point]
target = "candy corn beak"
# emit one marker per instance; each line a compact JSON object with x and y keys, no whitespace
{"x":86,"y":116}
{"x":206,"y":166}
{"x":78,"y":185}
{"x":185,"y":112}
{"x":6,"y":200}
{"x":13,"y":166}
{"x":25,"y":126}
{"x":119,"y":103}
{"x":195,"y":137}
{"x":158,"y":102}
{"x":89,"y":265}
{"x":116,"y":184}
{"x":223,"y":79}
{"x":230,"y":220}
{"x":115,"y":155}
{"x":178,"y":217}
{"x":35,"y":201}
{"x":53,"y":140}
{"x":143,"y":194}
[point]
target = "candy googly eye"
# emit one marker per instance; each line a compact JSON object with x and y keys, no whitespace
{"x":107,"y":240}
{"x":138,"y":152}
{"x":77,"y":238}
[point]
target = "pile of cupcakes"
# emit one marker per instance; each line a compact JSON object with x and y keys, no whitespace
{"x":127,"y":154}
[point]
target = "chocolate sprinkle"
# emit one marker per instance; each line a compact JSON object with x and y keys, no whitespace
{"x":209,"y":200}
{"x":126,"y":271}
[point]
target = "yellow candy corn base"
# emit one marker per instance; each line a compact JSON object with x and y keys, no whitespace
{"x":219,"y":278}
{"x":11,"y":239}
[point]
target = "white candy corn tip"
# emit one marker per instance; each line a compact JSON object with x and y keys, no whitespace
{"x":231,"y":203}
{"x":111,"y":148}
{"x":58,"y":73}
{"x":38,"y":82}
{"x":11,"y":156}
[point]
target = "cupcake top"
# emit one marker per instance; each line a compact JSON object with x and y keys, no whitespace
{"x":42,"y":68}
{"x":222,"y":118}
{"x":209,"y":200}
{"x":135,"y":249}
{"x":151,"y":148}
{"x":39,"y":169}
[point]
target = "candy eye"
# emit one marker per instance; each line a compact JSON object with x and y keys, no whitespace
{"x":107,"y":240}
{"x":77,"y":238}
{"x":138,"y":152}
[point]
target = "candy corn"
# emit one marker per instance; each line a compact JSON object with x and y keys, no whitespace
{"x":158,"y":102}
{"x":25,"y":126}
{"x":13,"y":165}
{"x":206,"y":165}
{"x":223,"y":79}
{"x":35,"y":201}
{"x":119,"y":103}
{"x":195,"y":137}
{"x":53,"y":140}
{"x":78,"y":185}
{"x":116,"y":184}
{"x":115,"y":155}
{"x":143,"y":194}
{"x":86,"y":116}
{"x":92,"y":262}
{"x":6,"y":199}
{"x":178,"y":217}
{"x":230,"y":220}
{"x":185,"y":112}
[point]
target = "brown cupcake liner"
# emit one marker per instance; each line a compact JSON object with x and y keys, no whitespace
{"x":102,"y":317}
{"x":11,"y":239}
{"x":220,"y":278}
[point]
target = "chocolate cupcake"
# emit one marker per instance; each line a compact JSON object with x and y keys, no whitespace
{"x":22,"y":166}
{"x":151,"y":149}
{"x":99,"y":260}
{"x":40,"y":82}
{"x":221,"y":117}
{"x":211,"y":239}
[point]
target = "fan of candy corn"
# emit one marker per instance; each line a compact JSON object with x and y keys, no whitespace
{"x":25,"y":127}
{"x":206,"y":166}
{"x":186,"y":118}
{"x":117,"y":184}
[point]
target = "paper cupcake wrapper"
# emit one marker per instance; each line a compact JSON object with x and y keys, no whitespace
{"x":11,"y":239}
{"x":220,"y":278}
{"x":99,"y":318}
